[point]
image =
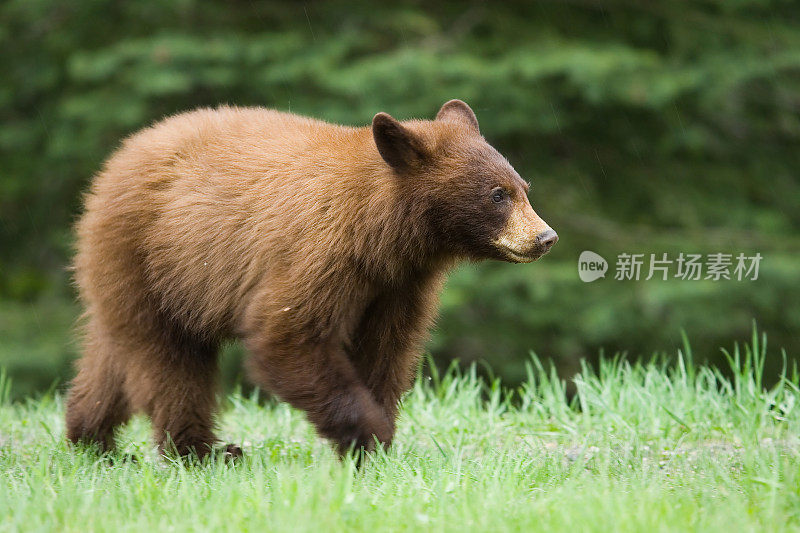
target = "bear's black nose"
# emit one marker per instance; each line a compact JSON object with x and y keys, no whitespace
{"x":546,"y":240}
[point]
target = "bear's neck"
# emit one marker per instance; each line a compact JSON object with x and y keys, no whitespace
{"x":388,"y":224}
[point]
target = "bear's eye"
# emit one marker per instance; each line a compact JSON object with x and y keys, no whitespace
{"x":498,"y":195}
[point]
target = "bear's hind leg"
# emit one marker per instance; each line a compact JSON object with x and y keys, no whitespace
{"x":173,"y":380}
{"x":97,"y":402}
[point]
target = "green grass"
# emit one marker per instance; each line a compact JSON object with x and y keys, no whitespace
{"x":646,"y":447}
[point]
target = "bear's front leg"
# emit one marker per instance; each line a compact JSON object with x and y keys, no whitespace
{"x":319,"y":379}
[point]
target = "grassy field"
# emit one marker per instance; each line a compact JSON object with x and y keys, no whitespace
{"x":638,"y":447}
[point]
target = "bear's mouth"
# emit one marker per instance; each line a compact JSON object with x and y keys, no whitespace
{"x":526,"y":251}
{"x":519,"y":257}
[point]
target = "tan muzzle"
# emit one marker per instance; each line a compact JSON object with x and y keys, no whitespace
{"x":526,"y":236}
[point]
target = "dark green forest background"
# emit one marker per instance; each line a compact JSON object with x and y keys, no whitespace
{"x":668,"y":126}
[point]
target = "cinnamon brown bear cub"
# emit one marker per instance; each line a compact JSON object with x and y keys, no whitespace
{"x":322,"y":247}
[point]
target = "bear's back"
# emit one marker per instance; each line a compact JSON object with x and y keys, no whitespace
{"x":191,"y":213}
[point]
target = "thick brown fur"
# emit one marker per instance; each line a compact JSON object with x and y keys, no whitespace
{"x":322,"y":247}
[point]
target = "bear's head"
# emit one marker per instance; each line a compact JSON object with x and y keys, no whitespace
{"x":474,"y":203}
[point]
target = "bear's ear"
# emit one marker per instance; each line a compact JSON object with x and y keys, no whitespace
{"x":458,"y":110}
{"x":398,"y":145}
